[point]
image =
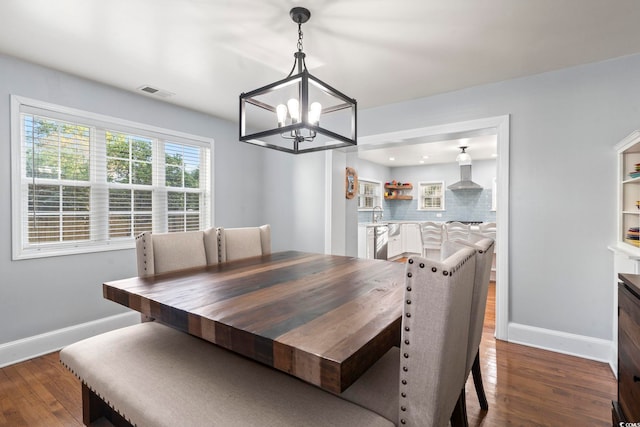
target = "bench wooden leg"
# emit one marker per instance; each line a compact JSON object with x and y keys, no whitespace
{"x":94,"y":408}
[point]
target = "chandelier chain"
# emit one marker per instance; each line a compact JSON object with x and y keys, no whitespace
{"x":299,"y":37}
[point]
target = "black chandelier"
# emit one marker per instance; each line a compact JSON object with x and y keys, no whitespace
{"x":300,"y":113}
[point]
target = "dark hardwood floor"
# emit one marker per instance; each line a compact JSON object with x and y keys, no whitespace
{"x":525,"y":387}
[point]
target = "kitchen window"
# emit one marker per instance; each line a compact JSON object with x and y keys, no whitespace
{"x":85,"y":183}
{"x":369,"y":194}
{"x":431,"y":196}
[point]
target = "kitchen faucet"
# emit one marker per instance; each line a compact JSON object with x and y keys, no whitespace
{"x":375,"y":218}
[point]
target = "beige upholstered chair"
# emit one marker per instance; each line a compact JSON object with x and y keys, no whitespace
{"x":163,"y":252}
{"x":457,"y":230}
{"x":431,"y":234}
{"x":244,"y":242}
{"x":419,"y":383}
{"x":484,"y":247}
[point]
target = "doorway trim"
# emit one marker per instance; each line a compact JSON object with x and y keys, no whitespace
{"x":500,"y":126}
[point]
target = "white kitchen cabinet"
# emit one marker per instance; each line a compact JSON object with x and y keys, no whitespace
{"x":365,"y":242}
{"x":403,"y":239}
{"x":411,"y":241}
{"x":395,"y":246}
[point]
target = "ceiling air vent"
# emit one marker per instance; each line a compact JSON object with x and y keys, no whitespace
{"x":155,"y":91}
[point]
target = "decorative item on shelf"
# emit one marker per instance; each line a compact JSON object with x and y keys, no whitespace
{"x":397,"y":190}
{"x":285,"y":115}
{"x":638,"y":204}
{"x":636,"y":172}
{"x":351,"y":183}
{"x":633,"y":236}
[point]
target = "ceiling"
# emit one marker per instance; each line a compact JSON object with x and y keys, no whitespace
{"x":202,"y":54}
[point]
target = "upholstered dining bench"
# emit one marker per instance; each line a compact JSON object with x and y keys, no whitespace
{"x":152,"y":375}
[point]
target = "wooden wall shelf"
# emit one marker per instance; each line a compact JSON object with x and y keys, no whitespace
{"x":398,"y":191}
{"x":398,"y":187}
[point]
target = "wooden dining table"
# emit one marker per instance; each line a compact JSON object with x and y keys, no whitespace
{"x":322,"y":318}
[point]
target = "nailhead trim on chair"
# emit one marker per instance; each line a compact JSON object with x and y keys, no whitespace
{"x":405,"y":368}
{"x":144,"y":249}
{"x":219,"y":237}
{"x":407,"y":328}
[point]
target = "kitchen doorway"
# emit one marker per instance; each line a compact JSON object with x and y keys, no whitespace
{"x":341,"y":223}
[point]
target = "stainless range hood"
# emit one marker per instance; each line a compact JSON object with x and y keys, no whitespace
{"x":465,"y":182}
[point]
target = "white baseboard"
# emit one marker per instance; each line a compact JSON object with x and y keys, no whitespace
{"x":28,"y":348}
{"x":563,"y":342}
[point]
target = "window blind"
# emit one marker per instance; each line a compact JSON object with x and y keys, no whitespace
{"x":86,"y":183}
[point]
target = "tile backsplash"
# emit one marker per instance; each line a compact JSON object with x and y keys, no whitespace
{"x":462,"y":205}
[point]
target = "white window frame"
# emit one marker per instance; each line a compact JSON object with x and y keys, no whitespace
{"x":99,"y":228}
{"x":421,"y":186}
{"x":377,"y":197}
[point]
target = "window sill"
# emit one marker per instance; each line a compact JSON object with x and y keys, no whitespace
{"x":44,"y":252}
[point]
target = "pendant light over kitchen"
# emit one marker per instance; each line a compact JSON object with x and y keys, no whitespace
{"x":464,"y":162}
{"x":300,"y":113}
{"x":463,"y":158}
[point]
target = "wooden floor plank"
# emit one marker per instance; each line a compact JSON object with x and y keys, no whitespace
{"x":26,"y":397}
{"x":525,"y":386}
{"x":59,"y":384}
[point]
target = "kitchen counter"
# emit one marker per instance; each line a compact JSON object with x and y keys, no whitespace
{"x":374,"y":224}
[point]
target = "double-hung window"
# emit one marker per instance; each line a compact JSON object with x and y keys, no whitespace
{"x":84,"y":182}
{"x":431,"y":196}
{"x":369,"y":194}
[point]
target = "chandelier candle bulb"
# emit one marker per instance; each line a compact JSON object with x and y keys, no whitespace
{"x":314,"y":113}
{"x":294,"y":110}
{"x":281,"y":111}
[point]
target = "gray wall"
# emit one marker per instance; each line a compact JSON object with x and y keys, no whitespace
{"x":42,"y":295}
{"x":482,"y":172}
{"x":294,"y":201}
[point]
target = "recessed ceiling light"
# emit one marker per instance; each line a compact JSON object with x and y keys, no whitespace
{"x":425,"y":157}
{"x":421,"y":161}
{"x":392,"y":158}
{"x":494,"y":155}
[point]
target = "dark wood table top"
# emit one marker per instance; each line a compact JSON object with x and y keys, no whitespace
{"x":322,"y":318}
